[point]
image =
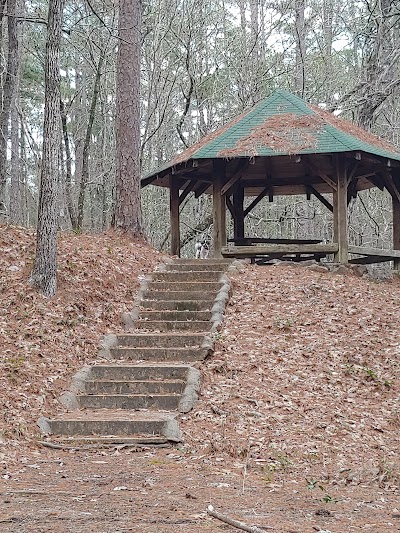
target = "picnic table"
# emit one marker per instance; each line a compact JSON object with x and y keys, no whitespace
{"x":263,"y":250}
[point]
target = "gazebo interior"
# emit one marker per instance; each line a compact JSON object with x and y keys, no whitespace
{"x":283,"y":146}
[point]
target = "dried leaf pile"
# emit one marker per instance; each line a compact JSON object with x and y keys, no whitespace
{"x":287,"y":132}
{"x":43,"y":342}
{"x":305,"y":380}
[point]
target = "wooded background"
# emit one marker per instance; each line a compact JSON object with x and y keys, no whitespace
{"x":202,"y":62}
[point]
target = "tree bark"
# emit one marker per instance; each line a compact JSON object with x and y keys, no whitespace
{"x":15,"y":168}
{"x":9,"y":85}
{"x":86,"y":145}
{"x":327,"y":16}
{"x":380,"y":68}
{"x":128,"y":215}
{"x":300,"y":30}
{"x":68,"y":169}
{"x":44,"y":270}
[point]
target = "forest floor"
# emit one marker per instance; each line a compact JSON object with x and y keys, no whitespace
{"x":297,"y":428}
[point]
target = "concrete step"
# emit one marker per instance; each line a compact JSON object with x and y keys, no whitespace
{"x":159,"y":354}
{"x":110,"y":423}
{"x":144,"y":372}
{"x":192,"y":261}
{"x":134,"y":387}
{"x":166,"y":340}
{"x":181,"y":295}
{"x":187,"y":275}
{"x":165,"y":402}
{"x":185,"y":286}
{"x":173,"y":305}
{"x":197,"y":266}
{"x":130,"y":440}
{"x":174,"y":325}
{"x":175,"y":315}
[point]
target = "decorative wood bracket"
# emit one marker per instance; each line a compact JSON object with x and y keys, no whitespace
{"x":236,"y":177}
{"x":256,"y":200}
{"x":321,"y":198}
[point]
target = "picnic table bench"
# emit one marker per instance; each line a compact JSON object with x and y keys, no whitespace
{"x":260,"y":249}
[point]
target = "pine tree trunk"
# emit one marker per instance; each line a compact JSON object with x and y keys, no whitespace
{"x":3,"y":176}
{"x":9,"y":84}
{"x":127,"y":207}
{"x":68,"y":169}
{"x":25,"y":214}
{"x":44,"y":271}
{"x":15,"y":167}
{"x":15,"y":171}
{"x":86,"y":145}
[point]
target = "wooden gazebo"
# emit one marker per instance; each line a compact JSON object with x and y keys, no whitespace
{"x":283,"y":146}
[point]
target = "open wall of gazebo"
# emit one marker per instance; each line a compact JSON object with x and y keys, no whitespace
{"x":283,"y":146}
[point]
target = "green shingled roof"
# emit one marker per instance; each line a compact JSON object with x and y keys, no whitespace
{"x":284,"y":124}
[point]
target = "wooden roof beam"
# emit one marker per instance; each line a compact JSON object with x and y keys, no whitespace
{"x":200,"y":189}
{"x":236,"y":177}
{"x":188,"y":188}
{"x":230,"y":207}
{"x":391,"y":186}
{"x":352,"y":190}
{"x":377,"y":181}
{"x":352,"y":172}
{"x":327,"y":180}
{"x":321,"y":198}
{"x":148,"y":181}
{"x":256,"y":200}
{"x":322,"y":175}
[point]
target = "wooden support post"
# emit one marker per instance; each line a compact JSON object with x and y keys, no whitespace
{"x":396,"y":222}
{"x":219,"y":208}
{"x":340,"y":213}
{"x":174,"y":215}
{"x":238,"y":221}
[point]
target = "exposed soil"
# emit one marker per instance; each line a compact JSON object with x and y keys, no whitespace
{"x":297,"y":427}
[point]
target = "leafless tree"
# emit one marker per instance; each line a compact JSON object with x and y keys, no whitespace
{"x":44,"y":270}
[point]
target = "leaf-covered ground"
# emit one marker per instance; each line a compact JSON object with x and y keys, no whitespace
{"x":297,"y":427}
{"x":43,"y":342}
{"x":306,"y":377}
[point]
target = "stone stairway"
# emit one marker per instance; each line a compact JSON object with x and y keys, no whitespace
{"x":135,"y":394}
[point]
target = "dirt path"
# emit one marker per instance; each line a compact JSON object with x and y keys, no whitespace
{"x":168,"y":490}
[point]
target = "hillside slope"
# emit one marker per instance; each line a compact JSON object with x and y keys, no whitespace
{"x":297,"y":427}
{"x":43,"y":342}
{"x":305,"y":379}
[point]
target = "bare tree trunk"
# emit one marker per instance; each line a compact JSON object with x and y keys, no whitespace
{"x":380,"y":69}
{"x":44,"y":270}
{"x":254,"y":25}
{"x":242,"y":9}
{"x":25,"y":218}
{"x":68,"y":169}
{"x":299,"y":6}
{"x":9,"y":84}
{"x":15,"y":186}
{"x":86,"y":145}
{"x":127,"y":208}
{"x":327,"y":14}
